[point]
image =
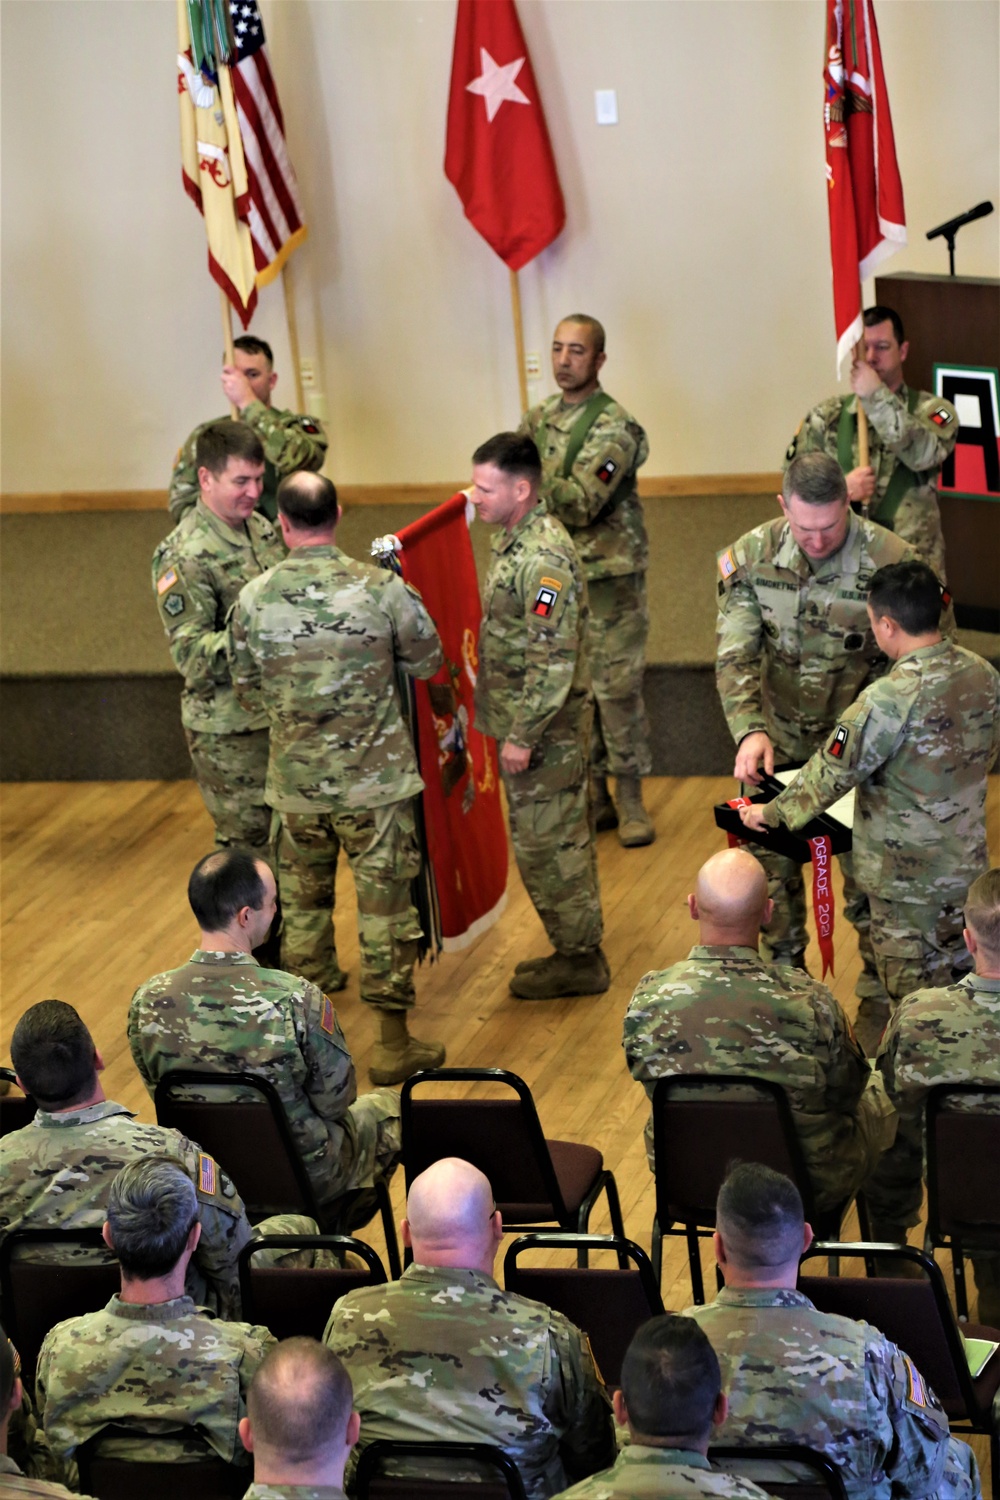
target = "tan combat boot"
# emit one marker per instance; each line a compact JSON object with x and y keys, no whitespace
{"x":397,"y":1054}
{"x":635,"y":825}
{"x":562,"y":975}
{"x":605,"y":816}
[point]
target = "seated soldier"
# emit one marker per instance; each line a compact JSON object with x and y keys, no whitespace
{"x":13,"y":1480}
{"x":221,"y":1012}
{"x":164,"y":1378}
{"x":300,"y":1424}
{"x":57,"y":1171}
{"x":797,"y":1375}
{"x":671,"y":1401}
{"x":723,"y":1010}
{"x":444,"y":1354}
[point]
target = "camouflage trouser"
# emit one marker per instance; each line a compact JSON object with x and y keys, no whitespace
{"x":786,"y":935}
{"x":616,"y":650}
{"x":554,"y":843}
{"x":375,"y":1131}
{"x":381,"y":848}
{"x":918,"y":946}
{"x":231,"y":770}
{"x":285,"y":1224}
{"x":960,"y":1475}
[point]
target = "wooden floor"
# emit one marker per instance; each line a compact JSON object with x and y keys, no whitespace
{"x":92,"y":902}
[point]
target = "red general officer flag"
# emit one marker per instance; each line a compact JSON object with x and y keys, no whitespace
{"x":497,"y":154}
{"x":867,"y":220}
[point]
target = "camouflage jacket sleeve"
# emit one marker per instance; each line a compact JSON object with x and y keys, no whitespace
{"x":614,"y":448}
{"x":291,"y":440}
{"x":195,"y":636}
{"x":915,"y":1457}
{"x":243,"y":666}
{"x":184,"y":488}
{"x":225,"y":1229}
{"x":331,"y":1085}
{"x":921,"y":440}
{"x":866,"y":736}
{"x":739,"y":648}
{"x":416,"y":645}
{"x":578,"y":1404}
{"x":895,"y":1188}
{"x":551,"y":649}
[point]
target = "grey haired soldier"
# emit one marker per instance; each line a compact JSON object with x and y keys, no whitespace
{"x":794,"y":650}
{"x":14,"y":1483}
{"x":290,"y":440}
{"x":300,"y":1424}
{"x":723,"y":1010}
{"x":949,"y":1035}
{"x":314,"y":645}
{"x":798,"y":1375}
{"x":166,"y":1376}
{"x":222,"y":1012}
{"x":910,"y":435}
{"x":590,"y":449}
{"x":671,"y":1401}
{"x":533,"y":697}
{"x":57,"y":1171}
{"x":918,"y":745}
{"x":444,"y":1353}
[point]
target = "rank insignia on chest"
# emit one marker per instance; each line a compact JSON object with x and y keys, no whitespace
{"x":941,"y":416}
{"x":328,"y":1020}
{"x":607,"y":471}
{"x":206,"y":1174}
{"x":838,"y":744}
{"x":166,"y":580}
{"x":174,"y":605}
{"x":545,"y":600}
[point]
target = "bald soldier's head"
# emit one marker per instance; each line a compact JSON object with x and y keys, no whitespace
{"x":730,"y":901}
{"x":451,"y":1218}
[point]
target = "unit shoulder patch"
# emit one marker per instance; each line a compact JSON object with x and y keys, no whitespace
{"x":941,"y":416}
{"x":546,"y":596}
{"x":174,"y":604}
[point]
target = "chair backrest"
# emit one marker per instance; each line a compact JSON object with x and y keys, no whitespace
{"x":252,"y":1142}
{"x":913,"y":1313}
{"x":370,"y":1484}
{"x":293,"y":1301}
{"x":122,"y":1479}
{"x":35,"y":1295}
{"x":16,"y":1109}
{"x":609,"y":1305}
{"x":963,"y":1201}
{"x":695,"y":1139}
{"x":753,"y":1461}
{"x":502,"y":1137}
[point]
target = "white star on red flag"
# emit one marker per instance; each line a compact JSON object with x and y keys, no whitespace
{"x":496,"y":83}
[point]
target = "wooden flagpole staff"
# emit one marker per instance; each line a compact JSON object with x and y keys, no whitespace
{"x":859,"y":354}
{"x":227,"y":341}
{"x":522,"y":379}
{"x":293,"y":336}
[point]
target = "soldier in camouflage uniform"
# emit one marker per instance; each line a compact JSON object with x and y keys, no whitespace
{"x":918,"y":745}
{"x":910,"y":435}
{"x":444,"y":1354}
{"x":533,"y":697}
{"x":14,"y":1482}
{"x":591,"y":449}
{"x":722,"y":1010}
{"x":300,"y":1424}
{"x":290,"y":440}
{"x":796,"y":1375}
{"x":938,"y":1036}
{"x":222,"y":1012}
{"x":671,"y":1401}
{"x":794,"y":650}
{"x":57,"y":1171}
{"x":314,"y":645}
{"x":168,"y":1377}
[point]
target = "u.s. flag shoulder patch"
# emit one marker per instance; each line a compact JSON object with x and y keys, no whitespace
{"x":549,"y":590}
{"x":166,"y":580}
{"x":607,"y":471}
{"x":941,"y":416}
{"x":838,"y":744}
{"x":727,"y":564}
{"x":206,"y":1174}
{"x":916,"y":1392}
{"x":328,"y":1020}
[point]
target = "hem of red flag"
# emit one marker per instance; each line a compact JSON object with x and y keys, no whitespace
{"x":848,"y":339}
{"x":219,"y":275}
{"x":193,"y":191}
{"x":270,"y":271}
{"x":894,"y":239}
{"x":479,"y":926}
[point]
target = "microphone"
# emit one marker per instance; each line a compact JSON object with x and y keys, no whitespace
{"x":979,"y":212}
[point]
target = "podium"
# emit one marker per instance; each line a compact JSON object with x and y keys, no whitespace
{"x":956,"y":320}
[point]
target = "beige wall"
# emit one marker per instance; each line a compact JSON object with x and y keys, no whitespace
{"x":696,"y":230}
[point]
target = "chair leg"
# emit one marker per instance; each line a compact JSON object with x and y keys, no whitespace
{"x":864,"y":1217}
{"x":656,"y":1251}
{"x":961,"y":1291}
{"x":833,"y":1265}
{"x":694,"y":1264}
{"x":389,"y":1229}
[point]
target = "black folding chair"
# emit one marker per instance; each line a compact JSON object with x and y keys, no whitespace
{"x":252,"y":1140}
{"x":535,"y":1181}
{"x":125,"y":1479}
{"x":293,"y":1301}
{"x":16,"y":1108}
{"x":36,"y":1295}
{"x":609,"y":1304}
{"x":963,"y":1201}
{"x":371,"y":1484}
{"x":756,"y":1461}
{"x":694,"y":1141}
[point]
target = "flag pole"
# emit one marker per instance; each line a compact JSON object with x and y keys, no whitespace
{"x":859,"y":353}
{"x":293,"y":336}
{"x":227,"y":341}
{"x":515,"y":302}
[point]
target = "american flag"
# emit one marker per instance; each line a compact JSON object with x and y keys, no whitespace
{"x":275,"y":216}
